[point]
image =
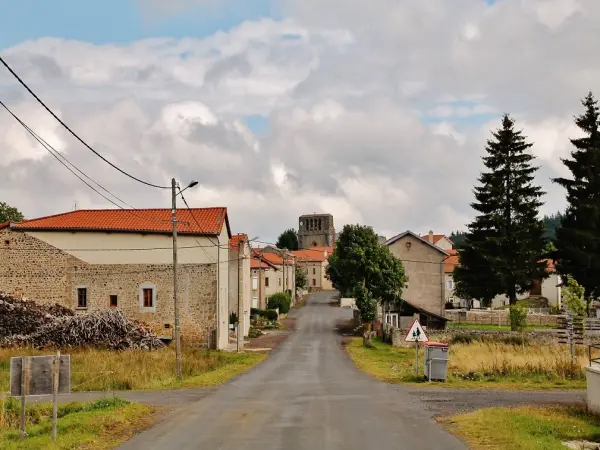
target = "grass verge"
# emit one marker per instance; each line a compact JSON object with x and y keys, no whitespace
{"x":104,"y":370}
{"x":524,"y":428}
{"x":478,"y":365}
{"x":103,"y":424}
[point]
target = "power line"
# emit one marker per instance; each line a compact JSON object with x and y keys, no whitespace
{"x":64,"y":161}
{"x":75,"y":134}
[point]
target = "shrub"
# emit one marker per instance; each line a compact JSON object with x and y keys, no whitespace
{"x":281,"y":301}
{"x":518,"y":318}
{"x":254,"y":332}
{"x":255,"y":312}
{"x":449,"y":305}
{"x":271,"y":314}
{"x":233,"y":319}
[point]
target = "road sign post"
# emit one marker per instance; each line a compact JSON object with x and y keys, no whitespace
{"x":416,"y":334}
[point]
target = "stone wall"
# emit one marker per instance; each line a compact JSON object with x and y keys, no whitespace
{"x":497,"y":318}
{"x":32,"y":268}
{"x":197,"y":291}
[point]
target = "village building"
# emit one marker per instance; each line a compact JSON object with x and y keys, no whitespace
{"x":315,"y":261}
{"x":424,"y":293}
{"x":315,"y":230}
{"x":239,"y":278}
{"x":272,"y":271}
{"x":96,"y":259}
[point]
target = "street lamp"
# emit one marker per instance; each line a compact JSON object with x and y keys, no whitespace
{"x":174,"y":194}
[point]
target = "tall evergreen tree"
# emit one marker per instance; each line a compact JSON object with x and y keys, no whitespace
{"x":505,"y":244}
{"x":288,"y":239}
{"x":578,"y":239}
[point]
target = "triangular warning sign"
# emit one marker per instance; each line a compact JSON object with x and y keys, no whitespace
{"x":416,"y":333}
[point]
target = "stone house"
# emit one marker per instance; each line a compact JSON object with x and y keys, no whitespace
{"x":239,"y":277}
{"x":424,"y":266}
{"x":96,"y":259}
{"x":315,"y":261}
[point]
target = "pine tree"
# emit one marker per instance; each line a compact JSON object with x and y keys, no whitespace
{"x":505,"y":245}
{"x":578,"y":239}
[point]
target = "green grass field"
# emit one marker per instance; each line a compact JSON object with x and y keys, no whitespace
{"x":524,"y":428}
{"x":478,"y":365}
{"x":105,"y":370}
{"x":99,"y":425}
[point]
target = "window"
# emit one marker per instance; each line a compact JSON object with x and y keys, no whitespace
{"x":147,"y":297}
{"x":279,"y":281}
{"x":255,"y":302}
{"x":314,"y":271}
{"x":82,"y":297}
{"x":449,"y":284}
{"x":314,"y":282}
{"x":113,"y":301}
{"x":254,"y":283}
{"x":266,"y":281}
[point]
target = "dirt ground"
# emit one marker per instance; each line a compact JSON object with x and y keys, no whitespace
{"x":273,"y":338}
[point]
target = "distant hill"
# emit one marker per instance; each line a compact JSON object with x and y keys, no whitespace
{"x":551,"y":223}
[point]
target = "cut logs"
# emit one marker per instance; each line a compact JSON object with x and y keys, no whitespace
{"x":35,"y":326}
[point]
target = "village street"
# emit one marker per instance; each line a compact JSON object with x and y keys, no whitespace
{"x":307,"y":395}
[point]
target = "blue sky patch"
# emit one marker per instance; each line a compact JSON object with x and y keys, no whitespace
{"x":259,"y":125}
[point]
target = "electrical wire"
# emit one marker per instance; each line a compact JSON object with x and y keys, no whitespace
{"x":75,"y":134}
{"x":66,"y":163}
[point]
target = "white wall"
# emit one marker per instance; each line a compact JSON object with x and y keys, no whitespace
{"x":223,"y":283}
{"x":551,"y":291}
{"x":104,"y":247}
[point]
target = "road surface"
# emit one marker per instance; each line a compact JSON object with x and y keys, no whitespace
{"x":306,"y":395}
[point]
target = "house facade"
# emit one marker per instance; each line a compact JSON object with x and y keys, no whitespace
{"x":97,"y":259}
{"x":239,"y":278}
{"x":424,"y":268}
{"x":315,"y":262}
{"x":272,"y":271}
{"x":440,"y":240}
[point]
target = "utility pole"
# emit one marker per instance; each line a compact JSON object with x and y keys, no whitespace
{"x":175,"y":299}
{"x":241,"y":323}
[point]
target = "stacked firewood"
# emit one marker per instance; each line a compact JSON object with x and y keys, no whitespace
{"x":25,"y":316}
{"x":108,"y":329}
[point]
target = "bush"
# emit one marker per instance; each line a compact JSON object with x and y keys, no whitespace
{"x":233,"y":319}
{"x":281,"y":301}
{"x":449,"y":305}
{"x":271,"y":314}
{"x":518,"y":318}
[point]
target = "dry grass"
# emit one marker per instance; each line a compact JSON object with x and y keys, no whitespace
{"x":524,"y":428}
{"x":102,"y":424}
{"x":104,"y":370}
{"x":479,"y":365}
{"x":550,"y":360}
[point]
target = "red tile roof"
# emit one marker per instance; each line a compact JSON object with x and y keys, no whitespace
{"x":4,"y":224}
{"x":315,"y":254}
{"x":450,"y":263}
{"x":256,"y":263}
{"x":234,"y":242}
{"x":436,"y":237}
{"x":197,"y":221}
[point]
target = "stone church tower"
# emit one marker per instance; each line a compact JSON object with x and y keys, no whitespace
{"x":315,"y":230}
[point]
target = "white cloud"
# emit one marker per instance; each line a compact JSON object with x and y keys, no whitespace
{"x":345,"y":103}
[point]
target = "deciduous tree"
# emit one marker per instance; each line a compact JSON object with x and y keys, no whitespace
{"x":9,"y":213}
{"x":288,"y":239}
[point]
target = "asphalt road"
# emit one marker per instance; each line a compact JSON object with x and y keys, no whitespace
{"x":306,"y":395}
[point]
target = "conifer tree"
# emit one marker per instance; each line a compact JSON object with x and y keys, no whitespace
{"x":578,"y":238}
{"x":505,"y":244}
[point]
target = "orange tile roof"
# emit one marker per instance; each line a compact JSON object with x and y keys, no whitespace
{"x":256,"y":263}
{"x":436,"y":237}
{"x":450,"y":263}
{"x":234,"y":242}
{"x":198,"y":221}
{"x":315,"y":254}
{"x":4,"y":224}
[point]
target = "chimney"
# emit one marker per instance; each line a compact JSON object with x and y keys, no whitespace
{"x":430,"y":237}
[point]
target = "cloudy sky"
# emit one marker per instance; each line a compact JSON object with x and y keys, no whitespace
{"x":376,"y":112}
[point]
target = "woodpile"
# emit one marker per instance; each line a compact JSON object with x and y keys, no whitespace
{"x":108,"y":329}
{"x":26,"y":316}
